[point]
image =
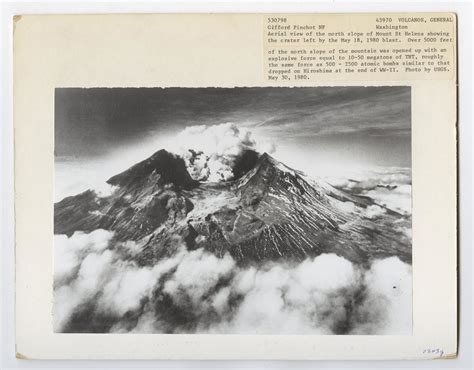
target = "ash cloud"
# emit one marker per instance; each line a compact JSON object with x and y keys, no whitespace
{"x":210,"y":152}
{"x":197,"y":292}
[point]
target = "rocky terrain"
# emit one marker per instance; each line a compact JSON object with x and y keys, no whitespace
{"x":268,"y":212}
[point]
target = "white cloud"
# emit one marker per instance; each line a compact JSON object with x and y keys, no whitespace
{"x":73,"y":177}
{"x":348,"y":207}
{"x":388,"y":187}
{"x":388,"y":305}
{"x":306,"y":298}
{"x":68,"y":298}
{"x":69,"y":252}
{"x":398,"y":199}
{"x":374,"y":211}
{"x":126,"y":287}
{"x":196,"y":275}
{"x":215,"y":295}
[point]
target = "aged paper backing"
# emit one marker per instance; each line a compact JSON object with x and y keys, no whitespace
{"x":227,"y":51}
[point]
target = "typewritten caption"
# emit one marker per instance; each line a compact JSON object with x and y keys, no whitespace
{"x":367,"y":46}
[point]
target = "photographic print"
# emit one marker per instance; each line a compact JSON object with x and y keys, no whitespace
{"x":263,"y":210}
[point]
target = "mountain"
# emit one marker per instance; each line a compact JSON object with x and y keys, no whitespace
{"x":268,"y":212}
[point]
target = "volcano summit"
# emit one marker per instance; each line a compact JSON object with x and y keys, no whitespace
{"x":266,"y":212}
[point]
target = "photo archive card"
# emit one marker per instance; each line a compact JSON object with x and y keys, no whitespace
{"x":235,"y":186}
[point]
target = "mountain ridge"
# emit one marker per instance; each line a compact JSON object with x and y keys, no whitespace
{"x":268,"y":212}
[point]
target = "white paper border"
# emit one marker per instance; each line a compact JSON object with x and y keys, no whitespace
{"x":465,"y":130}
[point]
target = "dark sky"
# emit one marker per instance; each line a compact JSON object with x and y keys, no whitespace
{"x":366,"y":123}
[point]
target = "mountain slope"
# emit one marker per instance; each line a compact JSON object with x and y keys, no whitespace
{"x":268,"y":212}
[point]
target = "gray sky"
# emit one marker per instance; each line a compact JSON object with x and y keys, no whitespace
{"x":370,"y":125}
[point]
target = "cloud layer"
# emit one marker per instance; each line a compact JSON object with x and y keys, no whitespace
{"x":389,"y":187}
{"x":99,"y":288}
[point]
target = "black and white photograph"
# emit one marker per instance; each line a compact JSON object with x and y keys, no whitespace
{"x":244,"y":210}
